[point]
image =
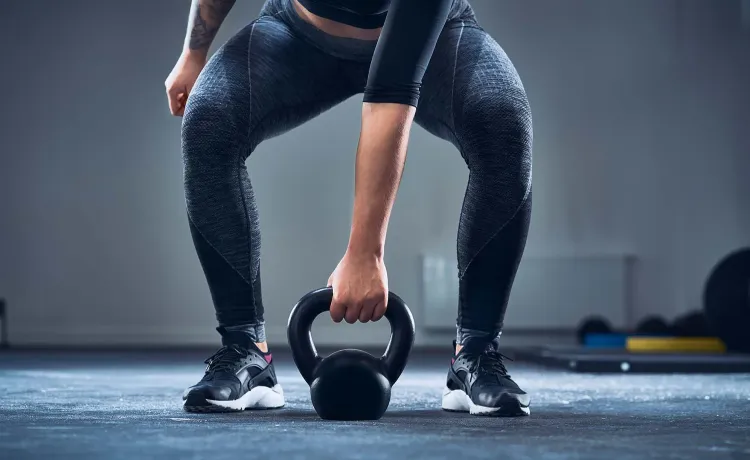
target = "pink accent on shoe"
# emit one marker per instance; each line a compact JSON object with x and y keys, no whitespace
{"x":268,"y":357}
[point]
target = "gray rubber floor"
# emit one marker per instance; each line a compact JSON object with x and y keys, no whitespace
{"x":127,"y":405}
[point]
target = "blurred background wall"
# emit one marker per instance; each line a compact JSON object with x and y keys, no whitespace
{"x":641,"y":156}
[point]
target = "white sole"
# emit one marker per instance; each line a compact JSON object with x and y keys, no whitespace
{"x":257,"y":398}
{"x":459,"y":401}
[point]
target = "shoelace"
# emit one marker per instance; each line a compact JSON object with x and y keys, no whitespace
{"x":226,"y":358}
{"x":491,"y":362}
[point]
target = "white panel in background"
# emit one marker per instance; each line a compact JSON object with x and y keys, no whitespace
{"x":549,"y":293}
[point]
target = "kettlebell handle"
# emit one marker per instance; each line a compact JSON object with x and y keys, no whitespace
{"x":318,"y":301}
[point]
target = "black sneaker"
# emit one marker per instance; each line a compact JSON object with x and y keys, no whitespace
{"x":479,"y":383}
{"x":239,"y":376}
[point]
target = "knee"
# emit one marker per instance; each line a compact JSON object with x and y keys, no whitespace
{"x":496,"y":138}
{"x":211,"y":119}
{"x":213,"y":136}
{"x":495,"y":120}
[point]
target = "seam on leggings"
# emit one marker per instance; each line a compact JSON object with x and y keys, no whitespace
{"x":248,"y":238}
{"x":208,"y":242}
{"x":525,"y":198}
{"x":247,"y":230}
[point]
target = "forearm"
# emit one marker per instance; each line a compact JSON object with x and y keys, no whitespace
{"x":380,"y":162}
{"x":206,"y":16}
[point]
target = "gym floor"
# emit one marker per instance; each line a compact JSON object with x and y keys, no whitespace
{"x":117,"y":405}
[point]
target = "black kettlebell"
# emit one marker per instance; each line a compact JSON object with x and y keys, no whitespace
{"x":349,"y":384}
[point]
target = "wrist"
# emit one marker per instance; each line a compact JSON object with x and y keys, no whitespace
{"x":365,"y":247}
{"x":195,"y":55}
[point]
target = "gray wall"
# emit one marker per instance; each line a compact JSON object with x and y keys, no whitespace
{"x":641,"y":147}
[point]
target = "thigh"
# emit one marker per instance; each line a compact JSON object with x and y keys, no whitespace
{"x":471,"y":90}
{"x":263,"y":82}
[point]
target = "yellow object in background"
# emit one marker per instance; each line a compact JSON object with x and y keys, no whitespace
{"x":675,"y":345}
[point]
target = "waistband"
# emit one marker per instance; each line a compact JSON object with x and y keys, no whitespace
{"x":341,"y":47}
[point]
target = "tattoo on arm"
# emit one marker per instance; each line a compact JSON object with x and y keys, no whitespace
{"x":206,"y":16}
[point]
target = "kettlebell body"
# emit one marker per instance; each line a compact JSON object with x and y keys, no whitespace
{"x":349,"y":384}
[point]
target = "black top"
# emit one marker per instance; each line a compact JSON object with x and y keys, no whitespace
{"x":407,"y":41}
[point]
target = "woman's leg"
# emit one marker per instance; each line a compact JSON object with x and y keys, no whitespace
{"x":260,"y":84}
{"x":473,"y":97}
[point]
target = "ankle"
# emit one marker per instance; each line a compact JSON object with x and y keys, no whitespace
{"x":253,"y":332}
{"x":458,"y":348}
{"x":465,"y":335}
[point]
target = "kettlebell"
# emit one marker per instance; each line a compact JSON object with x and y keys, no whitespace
{"x":349,"y":384}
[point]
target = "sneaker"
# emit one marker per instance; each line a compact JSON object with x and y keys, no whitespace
{"x":479,"y":383}
{"x":239,"y":376}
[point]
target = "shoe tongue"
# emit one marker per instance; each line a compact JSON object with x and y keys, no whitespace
{"x":239,"y":338}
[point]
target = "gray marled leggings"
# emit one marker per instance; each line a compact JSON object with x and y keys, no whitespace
{"x":279,"y":72}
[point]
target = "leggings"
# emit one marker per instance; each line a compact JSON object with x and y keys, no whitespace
{"x":279,"y":72}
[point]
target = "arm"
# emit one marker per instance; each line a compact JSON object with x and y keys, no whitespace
{"x":206,"y":16}
{"x":404,"y":49}
{"x":380,"y":161}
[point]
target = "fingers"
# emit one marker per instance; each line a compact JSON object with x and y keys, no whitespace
{"x":182,"y":101}
{"x":177,"y":96}
{"x":177,"y":102}
{"x":379,"y":310}
{"x":344,"y":309}
{"x":365,"y":314}
{"x":338,"y":309}
{"x":374,"y":307}
{"x":174,"y":105}
{"x":351,"y":308}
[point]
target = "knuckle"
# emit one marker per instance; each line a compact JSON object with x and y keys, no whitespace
{"x":375,"y":296}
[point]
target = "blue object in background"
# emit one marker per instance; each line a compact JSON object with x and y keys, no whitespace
{"x":605,"y":340}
